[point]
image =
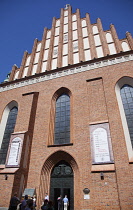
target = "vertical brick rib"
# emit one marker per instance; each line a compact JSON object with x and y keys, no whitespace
{"x":13,"y":72}
{"x":91,"y":37}
{"x":70,"y":53}
{"x":102,"y":37}
{"x":51,"y":45}
{"x":115,"y":38}
{"x":41,"y":51}
{"x":129,"y":39}
{"x":22,"y":64}
{"x":59,"y":61}
{"x":51,"y":123}
{"x":32,"y":57}
{"x":80,"y":37}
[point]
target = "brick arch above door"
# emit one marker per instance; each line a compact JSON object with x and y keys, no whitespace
{"x":49,"y":164}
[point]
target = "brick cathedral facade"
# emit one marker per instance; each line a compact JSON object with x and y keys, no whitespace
{"x":66,"y":117}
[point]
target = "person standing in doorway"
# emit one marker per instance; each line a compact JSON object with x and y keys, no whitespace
{"x":59,"y":200}
{"x":66,"y":202}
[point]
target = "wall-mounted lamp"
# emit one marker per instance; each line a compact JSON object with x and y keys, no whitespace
{"x":6,"y":176}
{"x":86,"y":191}
{"x":102,"y":175}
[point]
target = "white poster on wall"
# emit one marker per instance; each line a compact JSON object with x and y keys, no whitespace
{"x":101,"y":143}
{"x":15,"y":150}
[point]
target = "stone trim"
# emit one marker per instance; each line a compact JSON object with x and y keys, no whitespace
{"x":66,"y":72}
{"x":102,"y":168}
{"x":9,"y":170}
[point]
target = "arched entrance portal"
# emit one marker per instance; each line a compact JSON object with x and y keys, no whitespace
{"x":61,"y":183}
{"x":63,"y":163}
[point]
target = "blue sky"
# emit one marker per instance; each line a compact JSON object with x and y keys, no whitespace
{"x":21,"y":21}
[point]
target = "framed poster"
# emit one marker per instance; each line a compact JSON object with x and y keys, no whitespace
{"x":15,"y":150}
{"x":101,"y":147}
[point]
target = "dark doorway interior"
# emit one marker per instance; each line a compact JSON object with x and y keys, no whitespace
{"x":62,"y":183}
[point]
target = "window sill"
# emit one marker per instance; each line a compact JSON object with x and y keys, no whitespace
{"x":8,"y":170}
{"x":2,"y":166}
{"x":106,"y":167}
{"x":60,"y":145}
{"x":131,"y":160}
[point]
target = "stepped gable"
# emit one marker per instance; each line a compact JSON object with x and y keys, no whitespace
{"x":71,"y":40}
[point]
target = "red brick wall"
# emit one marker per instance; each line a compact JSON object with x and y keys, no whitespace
{"x":90,"y":102}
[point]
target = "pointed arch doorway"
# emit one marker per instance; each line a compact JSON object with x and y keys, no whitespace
{"x":61,"y":183}
{"x":47,"y":179}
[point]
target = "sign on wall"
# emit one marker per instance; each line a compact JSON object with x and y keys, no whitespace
{"x":15,"y":150}
{"x":101,"y":147}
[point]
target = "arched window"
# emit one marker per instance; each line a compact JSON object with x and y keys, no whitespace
{"x":127,"y":100}
{"x":125,"y":46}
{"x":62,"y":120}
{"x":124,"y":94}
{"x":7,"y":127}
